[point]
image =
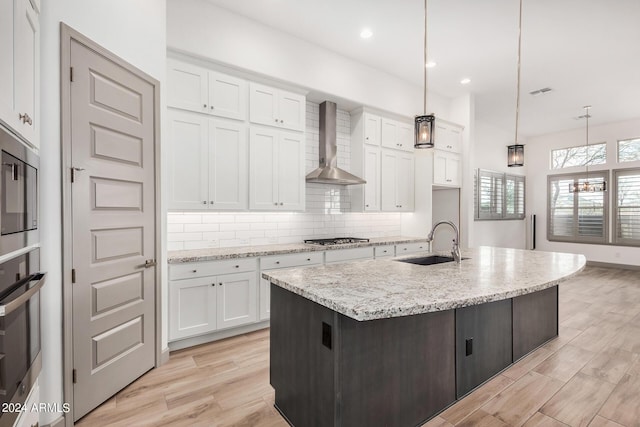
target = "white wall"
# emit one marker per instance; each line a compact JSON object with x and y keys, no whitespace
{"x":136,"y":32}
{"x":538,"y":155}
{"x":201,"y":29}
{"x":490,"y":152}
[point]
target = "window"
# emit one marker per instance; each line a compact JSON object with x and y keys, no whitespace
{"x":576,"y":217}
{"x":626,"y":220}
{"x":498,"y":195}
{"x":594,"y":154}
{"x":629,"y":150}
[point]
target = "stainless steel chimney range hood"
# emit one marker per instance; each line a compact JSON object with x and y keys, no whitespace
{"x":329,"y":172}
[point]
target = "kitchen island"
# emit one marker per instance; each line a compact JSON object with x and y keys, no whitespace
{"x":391,"y":343}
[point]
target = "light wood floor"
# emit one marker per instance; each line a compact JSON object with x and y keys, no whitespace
{"x":588,"y":376}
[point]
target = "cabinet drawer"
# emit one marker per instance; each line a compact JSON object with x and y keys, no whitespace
{"x":408,"y":248}
{"x":341,"y":255}
{"x":384,"y":251}
{"x":211,"y":268}
{"x":290,"y":260}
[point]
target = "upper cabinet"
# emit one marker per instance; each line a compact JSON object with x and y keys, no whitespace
{"x":204,"y":91}
{"x":397,"y":183}
{"x":447,"y":161}
{"x":275,"y":107}
{"x":19,"y":68}
{"x":448,"y":136}
{"x":397,"y":135}
{"x":371,"y":129}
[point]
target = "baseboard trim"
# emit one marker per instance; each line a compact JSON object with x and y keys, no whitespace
{"x":58,"y":422}
{"x":164,"y":356}
{"x":215,"y":336}
{"x":612,"y":265}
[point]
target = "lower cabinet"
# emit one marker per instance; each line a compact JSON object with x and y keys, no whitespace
{"x":30,"y":418}
{"x":206,"y":304}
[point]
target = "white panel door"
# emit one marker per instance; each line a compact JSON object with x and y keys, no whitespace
{"x":263,"y":104}
{"x":188,"y":161}
{"x":263,"y":173}
{"x":389,"y":176}
{"x":192,"y":307}
{"x":389,"y":136}
{"x":405,"y":137}
{"x":27,"y":81}
{"x":371,"y":129}
{"x":227,"y":165}
{"x":291,"y":110}
{"x":227,"y":96}
{"x":187,"y":86}
{"x":405,"y":191}
{"x":236,"y":299}
{"x":290,"y":170}
{"x":7,"y":100}
{"x":372,"y":176}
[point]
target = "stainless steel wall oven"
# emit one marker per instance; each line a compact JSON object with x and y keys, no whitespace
{"x":20,"y":360}
{"x":18,"y":195}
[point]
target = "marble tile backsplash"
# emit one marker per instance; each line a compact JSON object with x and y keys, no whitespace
{"x":328,"y":209}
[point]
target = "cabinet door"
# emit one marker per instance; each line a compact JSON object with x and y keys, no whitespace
{"x":27,"y":34}
{"x":187,"y":86}
{"x":388,"y":185}
{"x":263,"y":182}
{"x":405,"y":182}
{"x":227,"y":96}
{"x":371,"y":129}
{"x":265,"y":299}
{"x":263,"y":104}
{"x":440,"y":167}
{"x":227,"y":165}
{"x":290,"y":170}
{"x":389,"y":136}
{"x":372,"y":176}
{"x":188,"y":167}
{"x":453,"y":169}
{"x":405,"y":137}
{"x":237,"y":299}
{"x":448,"y":137}
{"x":7,"y":100}
{"x":291,"y":110}
{"x":192,"y":307}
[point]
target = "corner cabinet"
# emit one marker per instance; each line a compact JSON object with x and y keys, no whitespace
{"x":208,"y":163}
{"x":19,"y":68}
{"x":276,"y":170}
{"x":275,"y":107}
{"x":205,"y":91}
{"x":397,"y":189}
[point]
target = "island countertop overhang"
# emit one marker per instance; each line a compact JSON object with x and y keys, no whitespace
{"x":379,"y":289}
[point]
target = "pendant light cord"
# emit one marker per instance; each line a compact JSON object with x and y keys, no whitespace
{"x":518,"y":78}
{"x":586,"y":108}
{"x":424,"y":65}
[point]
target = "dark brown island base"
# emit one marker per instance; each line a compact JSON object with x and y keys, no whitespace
{"x":386,"y":343}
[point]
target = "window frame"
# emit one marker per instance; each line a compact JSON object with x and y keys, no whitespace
{"x":503,"y":215}
{"x":618,"y":150}
{"x":614,"y":190}
{"x":575,"y":238}
{"x":587,"y":146}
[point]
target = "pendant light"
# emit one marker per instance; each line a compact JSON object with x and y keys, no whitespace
{"x":586,"y":186}
{"x":515,"y":152}
{"x":424,"y":123}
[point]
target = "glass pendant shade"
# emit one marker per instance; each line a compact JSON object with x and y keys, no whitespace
{"x":515,"y":155}
{"x":424,"y":131}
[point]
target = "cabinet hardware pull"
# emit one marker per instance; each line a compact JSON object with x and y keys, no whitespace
{"x":213,"y":284}
{"x":276,"y":203}
{"x":211,"y":202}
{"x":276,"y":120}
{"x":25,"y":118}
{"x":150,"y":263}
{"x":277,"y":262}
{"x":281,"y":203}
{"x":281,"y":121}
{"x":308,"y":259}
{"x":212,"y":107}
{"x":194,"y":271}
{"x":220,"y":283}
{"x":204,"y":202}
{"x":205,"y":105}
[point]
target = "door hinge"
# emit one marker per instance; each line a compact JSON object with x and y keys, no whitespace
{"x":71,"y":73}
{"x":73,"y":175}
{"x":75,"y":376}
{"x":73,"y":275}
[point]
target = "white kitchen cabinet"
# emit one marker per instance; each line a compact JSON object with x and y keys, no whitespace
{"x":372,"y":129}
{"x":372,"y":176}
{"x":397,"y":181}
{"x":386,"y":251}
{"x":276,"y":107}
{"x":213,"y":296}
{"x":208,"y":163}
{"x":448,"y":136}
{"x":200,"y":90}
{"x":19,"y":68}
{"x":352,"y":254}
{"x":276,"y":170}
{"x":267,"y":263}
{"x":397,"y":135}
{"x":30,"y":418}
{"x":409,"y":248}
{"x":446,"y":168}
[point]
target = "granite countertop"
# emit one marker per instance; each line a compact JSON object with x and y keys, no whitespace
{"x":212,"y":254}
{"x":377,"y":289}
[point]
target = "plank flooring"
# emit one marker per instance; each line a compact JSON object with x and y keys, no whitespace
{"x":588,"y":376}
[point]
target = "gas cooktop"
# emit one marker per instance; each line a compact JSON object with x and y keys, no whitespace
{"x":335,"y":241}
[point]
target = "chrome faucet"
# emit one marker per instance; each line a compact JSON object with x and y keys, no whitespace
{"x":455,"y":251}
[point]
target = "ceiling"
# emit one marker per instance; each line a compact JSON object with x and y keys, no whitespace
{"x":587,"y":51}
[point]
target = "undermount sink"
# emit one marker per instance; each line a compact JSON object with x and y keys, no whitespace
{"x":428,"y":260}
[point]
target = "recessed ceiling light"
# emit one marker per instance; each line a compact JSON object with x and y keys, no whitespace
{"x":465,"y":81}
{"x":431,"y":64}
{"x":366,"y":33}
